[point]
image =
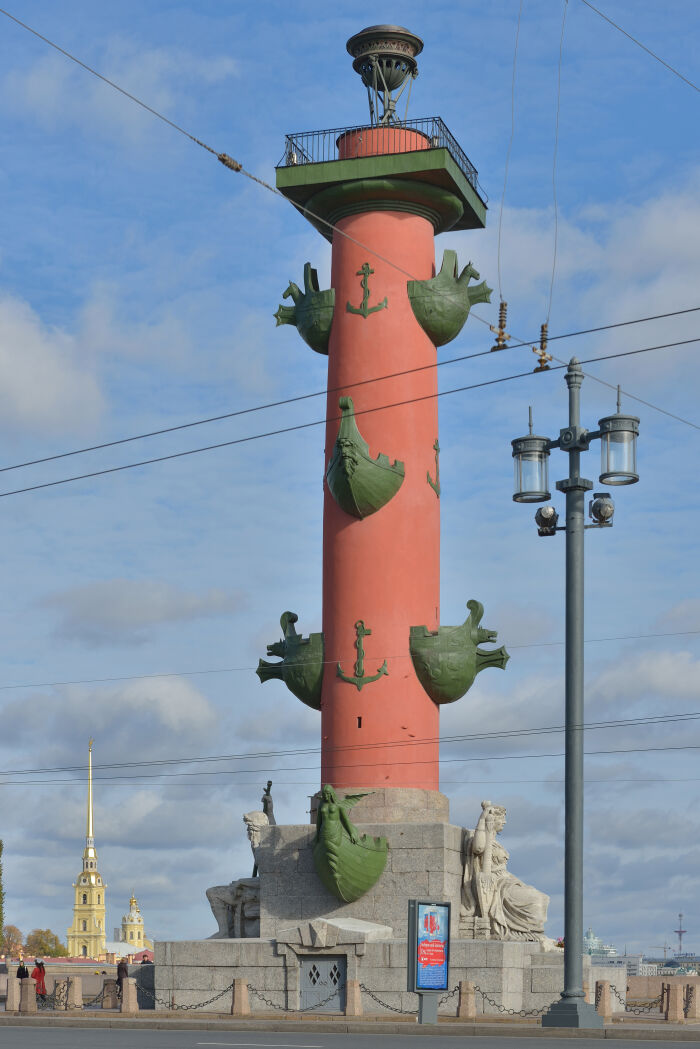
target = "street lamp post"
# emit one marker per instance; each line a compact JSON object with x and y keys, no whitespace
{"x":618,"y":436}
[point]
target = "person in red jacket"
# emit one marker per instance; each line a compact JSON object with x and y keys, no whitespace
{"x":39,"y":974}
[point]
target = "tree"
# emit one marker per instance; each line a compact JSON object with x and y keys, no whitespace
{"x":44,"y":942}
{"x":12,"y":939}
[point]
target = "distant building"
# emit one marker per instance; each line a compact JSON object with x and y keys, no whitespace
{"x":86,"y":936}
{"x":594,"y":946}
{"x":130,"y":938}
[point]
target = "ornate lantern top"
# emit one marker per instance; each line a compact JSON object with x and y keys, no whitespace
{"x":385,"y":58}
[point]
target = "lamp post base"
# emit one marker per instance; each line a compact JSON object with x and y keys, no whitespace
{"x":572,"y":1012}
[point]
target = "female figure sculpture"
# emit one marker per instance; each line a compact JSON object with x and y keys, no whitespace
{"x":502,"y":907}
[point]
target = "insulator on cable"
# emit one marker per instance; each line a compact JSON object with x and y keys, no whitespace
{"x":541,"y":351}
{"x":500,"y":332}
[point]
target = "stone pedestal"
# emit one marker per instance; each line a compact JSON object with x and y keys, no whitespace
{"x":110,"y":998}
{"x":13,"y":994}
{"x":240,"y":1001}
{"x":27,"y":996}
{"x":424,"y":862}
{"x":129,"y":1004}
{"x":74,"y":993}
{"x":674,"y":1004}
{"x":393,"y":805}
{"x":466,"y":1005}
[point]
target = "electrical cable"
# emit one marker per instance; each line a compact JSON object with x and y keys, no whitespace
{"x":643,"y":46}
{"x":248,"y":669}
{"x":237,"y":167}
{"x":508,"y":151}
{"x":392,"y":764}
{"x":554,"y":162}
{"x":321,"y":422}
{"x":652,"y":719}
{"x":353,"y":385}
{"x":130,"y":784}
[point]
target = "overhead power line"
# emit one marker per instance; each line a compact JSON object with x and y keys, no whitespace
{"x":234,"y":165}
{"x":347,"y":386}
{"x":639,"y":43}
{"x":322,"y":422}
{"x":652,"y":719}
{"x":387,"y":763}
{"x":249,"y":668}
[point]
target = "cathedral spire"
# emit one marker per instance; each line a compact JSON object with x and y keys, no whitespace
{"x":89,"y":835}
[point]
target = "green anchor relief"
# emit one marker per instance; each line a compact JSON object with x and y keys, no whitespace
{"x":347,"y":862}
{"x":359,"y":679}
{"x":364,"y":309}
{"x":312,"y":312}
{"x":359,"y":484}
{"x":435,"y":484}
{"x":447,"y":660}
{"x":301,"y":668}
{"x":441,"y":305}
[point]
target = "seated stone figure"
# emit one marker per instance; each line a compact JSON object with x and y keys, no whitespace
{"x":495,"y":904}
{"x":236,"y":906}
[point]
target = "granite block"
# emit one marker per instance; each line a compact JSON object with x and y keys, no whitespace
{"x":547,"y":978}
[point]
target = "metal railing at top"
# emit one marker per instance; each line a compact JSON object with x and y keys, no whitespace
{"x":317,"y":147}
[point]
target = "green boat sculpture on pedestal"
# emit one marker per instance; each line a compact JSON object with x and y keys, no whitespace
{"x":441,"y":305}
{"x":347,"y":862}
{"x":301,"y":668}
{"x":359,"y":484}
{"x":447,"y":660}
{"x":312,"y":312}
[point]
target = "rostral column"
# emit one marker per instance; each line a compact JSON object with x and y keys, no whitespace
{"x":383,"y":664}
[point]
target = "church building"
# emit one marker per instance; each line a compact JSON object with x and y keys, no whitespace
{"x":86,"y":936}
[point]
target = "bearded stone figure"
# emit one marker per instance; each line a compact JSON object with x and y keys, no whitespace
{"x":495,"y":904}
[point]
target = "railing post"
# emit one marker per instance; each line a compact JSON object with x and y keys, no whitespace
{"x":674,"y":1007}
{"x":27,"y":996}
{"x":129,"y":1004}
{"x":240,"y":1000}
{"x":603,"y":1000}
{"x":466,"y":1003}
{"x":692,"y":1012}
{"x":353,"y":998}
{"x":13,"y":993}
{"x":74,"y":992}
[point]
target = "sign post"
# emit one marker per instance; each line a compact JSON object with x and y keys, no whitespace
{"x":428,"y":955}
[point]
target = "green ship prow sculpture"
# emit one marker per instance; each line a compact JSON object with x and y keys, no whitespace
{"x":301,"y":668}
{"x":447,"y":660}
{"x":360,"y":484}
{"x":347,"y":862}
{"x":441,"y":305}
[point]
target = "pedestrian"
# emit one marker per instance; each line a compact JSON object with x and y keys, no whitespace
{"x":122,"y":974}
{"x":22,"y":970}
{"x":39,"y":974}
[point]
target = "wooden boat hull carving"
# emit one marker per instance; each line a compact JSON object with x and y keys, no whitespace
{"x":347,"y":862}
{"x":359,"y":484}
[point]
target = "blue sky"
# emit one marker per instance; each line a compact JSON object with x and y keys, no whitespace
{"x":138,"y":279}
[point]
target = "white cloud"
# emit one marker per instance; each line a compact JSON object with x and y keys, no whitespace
{"x":113,"y":611}
{"x":46,"y":382}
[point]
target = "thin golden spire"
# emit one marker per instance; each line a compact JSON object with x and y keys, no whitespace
{"x":89,"y":798}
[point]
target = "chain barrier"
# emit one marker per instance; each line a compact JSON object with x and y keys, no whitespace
{"x":512,"y":1012}
{"x":185,"y":1008}
{"x":55,"y":1000}
{"x":393,"y":1008}
{"x":689,"y":998}
{"x":450,"y":994}
{"x":638,"y":1008}
{"x":306,"y":1009}
{"x":96,"y":1002}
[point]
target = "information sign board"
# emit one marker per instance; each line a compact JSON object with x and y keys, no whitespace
{"x":428,"y":946}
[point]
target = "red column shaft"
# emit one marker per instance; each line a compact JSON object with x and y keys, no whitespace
{"x":384,"y":569}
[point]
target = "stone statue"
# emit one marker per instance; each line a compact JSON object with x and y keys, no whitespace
{"x":268,"y":804}
{"x":495,"y":904}
{"x":236,"y":906}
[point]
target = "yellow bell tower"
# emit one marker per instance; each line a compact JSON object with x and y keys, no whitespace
{"x":86,"y":936}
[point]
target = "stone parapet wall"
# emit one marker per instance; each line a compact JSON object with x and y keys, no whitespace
{"x":513,"y":975}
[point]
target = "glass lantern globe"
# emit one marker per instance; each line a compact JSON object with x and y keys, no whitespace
{"x":531,"y":461}
{"x":618,"y":449}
